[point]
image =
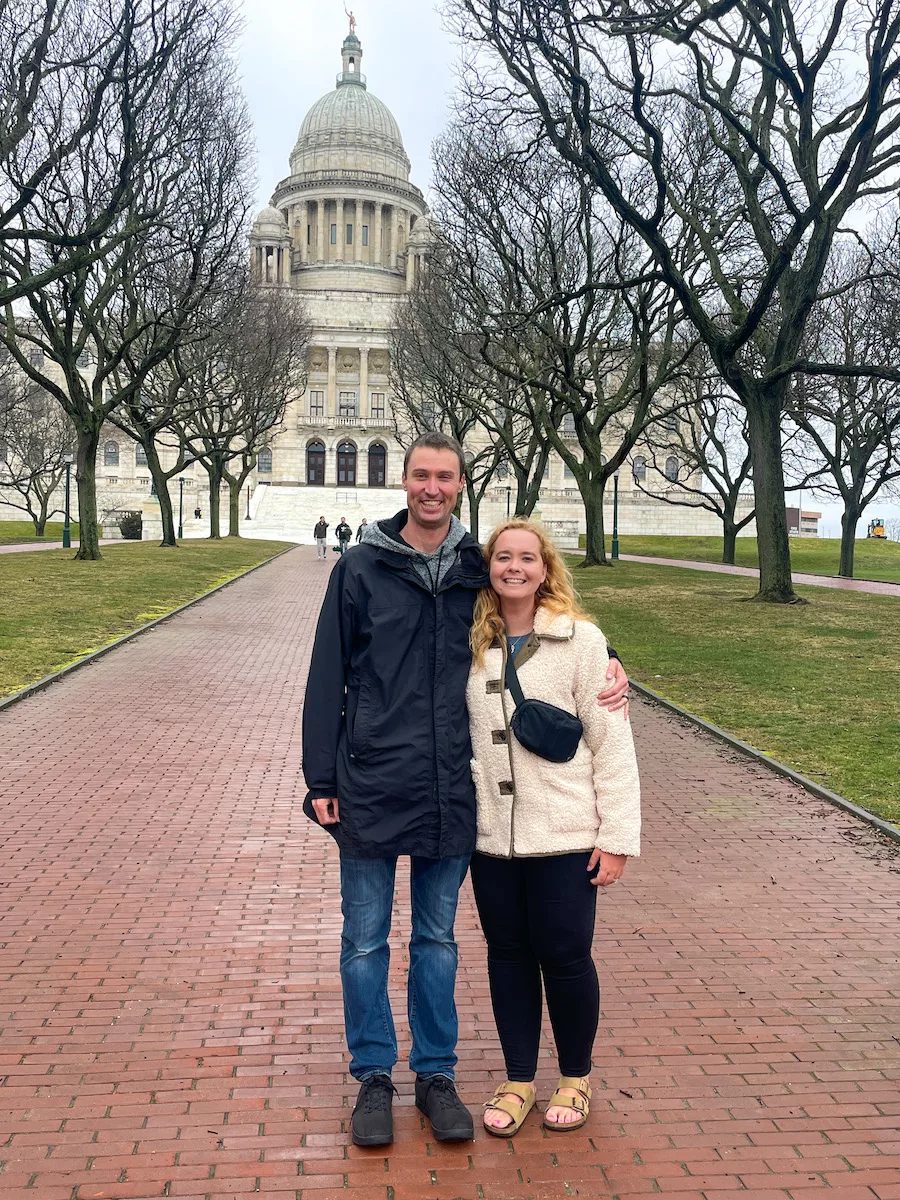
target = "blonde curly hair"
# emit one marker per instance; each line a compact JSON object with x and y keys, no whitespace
{"x":556,"y":594}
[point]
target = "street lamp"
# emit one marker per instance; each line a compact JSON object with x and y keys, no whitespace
{"x":181,"y":506}
{"x":68,"y":459}
{"x":508,"y":494}
{"x":249,"y":518}
{"x":615,"y":541}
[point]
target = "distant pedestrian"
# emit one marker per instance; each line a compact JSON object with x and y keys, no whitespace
{"x":343,"y":533}
{"x":359,"y":532}
{"x":197,"y":513}
{"x":320,"y":533}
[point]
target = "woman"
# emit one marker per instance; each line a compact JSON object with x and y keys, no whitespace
{"x":549,"y":833}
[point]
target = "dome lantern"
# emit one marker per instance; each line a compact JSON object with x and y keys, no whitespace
{"x":351,"y":62}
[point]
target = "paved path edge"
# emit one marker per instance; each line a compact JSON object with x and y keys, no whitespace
{"x":780,"y":768}
{"x":55,"y":676}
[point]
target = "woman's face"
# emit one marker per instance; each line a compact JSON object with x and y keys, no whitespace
{"x":517,"y":568}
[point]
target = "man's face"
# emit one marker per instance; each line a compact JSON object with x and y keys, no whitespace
{"x":432,"y":483}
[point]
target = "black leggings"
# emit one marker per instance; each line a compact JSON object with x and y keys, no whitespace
{"x":538,"y":919}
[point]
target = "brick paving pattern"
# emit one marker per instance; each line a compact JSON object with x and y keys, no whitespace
{"x":170,"y":1015}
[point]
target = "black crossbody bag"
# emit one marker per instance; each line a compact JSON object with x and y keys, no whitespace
{"x":542,"y":728}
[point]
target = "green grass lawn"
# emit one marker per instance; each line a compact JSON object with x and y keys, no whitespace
{"x":814,"y":686}
{"x":54,"y":610}
{"x":817,"y":556}
{"x":17,"y":532}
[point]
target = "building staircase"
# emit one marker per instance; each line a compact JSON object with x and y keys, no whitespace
{"x":289,"y":514}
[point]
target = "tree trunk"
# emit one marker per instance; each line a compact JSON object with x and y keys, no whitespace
{"x":764,"y":429}
{"x":215,"y":490}
{"x":474,"y":504}
{"x":161,"y":484}
{"x":86,"y":481}
{"x":235,"y":486}
{"x":849,"y":521}
{"x":729,"y":541}
{"x":595,"y":542}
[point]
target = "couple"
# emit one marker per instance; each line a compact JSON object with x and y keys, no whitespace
{"x":412,"y":643}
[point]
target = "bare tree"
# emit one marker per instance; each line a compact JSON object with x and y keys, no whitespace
{"x":793,"y":111}
{"x":699,"y":456}
{"x":565,"y":307}
{"x":35,"y":436}
{"x":238,"y":385}
{"x":849,"y":425}
{"x":173,"y":85}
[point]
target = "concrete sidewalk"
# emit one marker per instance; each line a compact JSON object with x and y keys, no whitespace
{"x":170,"y":1011}
{"x":20,"y":547}
{"x":876,"y":587}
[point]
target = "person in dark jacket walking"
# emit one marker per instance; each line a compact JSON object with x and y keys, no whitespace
{"x":386,"y":756}
{"x":320,"y":533}
{"x":343,"y":533}
{"x":364,"y":524}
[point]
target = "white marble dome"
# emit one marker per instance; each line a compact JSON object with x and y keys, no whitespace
{"x":349,"y":129}
{"x":270,"y":223}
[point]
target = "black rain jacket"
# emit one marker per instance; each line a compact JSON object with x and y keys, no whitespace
{"x":385,"y":726}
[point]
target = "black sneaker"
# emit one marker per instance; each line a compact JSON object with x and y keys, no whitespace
{"x":450,"y":1120}
{"x":372,"y":1123}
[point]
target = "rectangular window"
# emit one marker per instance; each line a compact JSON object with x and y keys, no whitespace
{"x":334,"y":235}
{"x":378,"y":405}
{"x":309,"y":235}
{"x":349,"y":235}
{"x":316,"y":404}
{"x":365,"y":240}
{"x":347,"y":404}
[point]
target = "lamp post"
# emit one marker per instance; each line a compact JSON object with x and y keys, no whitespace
{"x":68,"y":459}
{"x":181,"y":506}
{"x":615,"y":541}
{"x":249,"y":518}
{"x":508,"y":494}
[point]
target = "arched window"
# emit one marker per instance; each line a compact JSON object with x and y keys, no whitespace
{"x":264,"y":461}
{"x":315,"y":464}
{"x":140,"y":456}
{"x":672,"y":468}
{"x":111,"y":454}
{"x":377,"y":465}
{"x":639,"y":467}
{"x":346,"y":464}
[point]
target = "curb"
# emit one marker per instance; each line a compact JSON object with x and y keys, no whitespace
{"x":773,"y":764}
{"x":41,"y":684}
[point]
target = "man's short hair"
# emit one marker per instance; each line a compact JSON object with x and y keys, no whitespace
{"x":435,"y":440}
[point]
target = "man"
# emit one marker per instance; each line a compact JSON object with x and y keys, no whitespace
{"x":363,"y":526}
{"x":320,"y":533}
{"x":343,"y":533}
{"x":386,"y":755}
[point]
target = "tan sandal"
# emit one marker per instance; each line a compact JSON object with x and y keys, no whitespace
{"x":580,"y":1103}
{"x":523,"y":1092}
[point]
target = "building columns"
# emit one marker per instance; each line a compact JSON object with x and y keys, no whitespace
{"x":357,"y":233}
{"x":320,"y":221}
{"x":363,"y":408}
{"x":331,"y":395}
{"x":375,"y":255}
{"x":304,"y":227}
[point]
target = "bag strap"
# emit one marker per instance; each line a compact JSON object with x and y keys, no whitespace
{"x":512,"y":679}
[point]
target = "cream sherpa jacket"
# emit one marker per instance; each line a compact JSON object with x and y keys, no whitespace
{"x":526,"y":804}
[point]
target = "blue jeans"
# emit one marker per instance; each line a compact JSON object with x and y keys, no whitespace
{"x":367,"y":896}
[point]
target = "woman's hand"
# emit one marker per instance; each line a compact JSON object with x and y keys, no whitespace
{"x":611,"y":867}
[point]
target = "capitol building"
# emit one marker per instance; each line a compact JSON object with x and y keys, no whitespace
{"x":349,"y":231}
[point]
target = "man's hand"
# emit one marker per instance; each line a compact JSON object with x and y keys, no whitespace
{"x":615,"y":696}
{"x":326,"y":810}
{"x":611,"y":867}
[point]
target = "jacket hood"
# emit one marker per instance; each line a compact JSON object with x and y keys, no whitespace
{"x":385,"y":534}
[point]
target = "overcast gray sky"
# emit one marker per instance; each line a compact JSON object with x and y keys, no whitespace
{"x":291,"y":53}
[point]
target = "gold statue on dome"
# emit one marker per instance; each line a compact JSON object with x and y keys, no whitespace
{"x":352,"y":21}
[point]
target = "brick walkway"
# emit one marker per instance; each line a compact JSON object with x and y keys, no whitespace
{"x":169,"y":999}
{"x":876,"y":587}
